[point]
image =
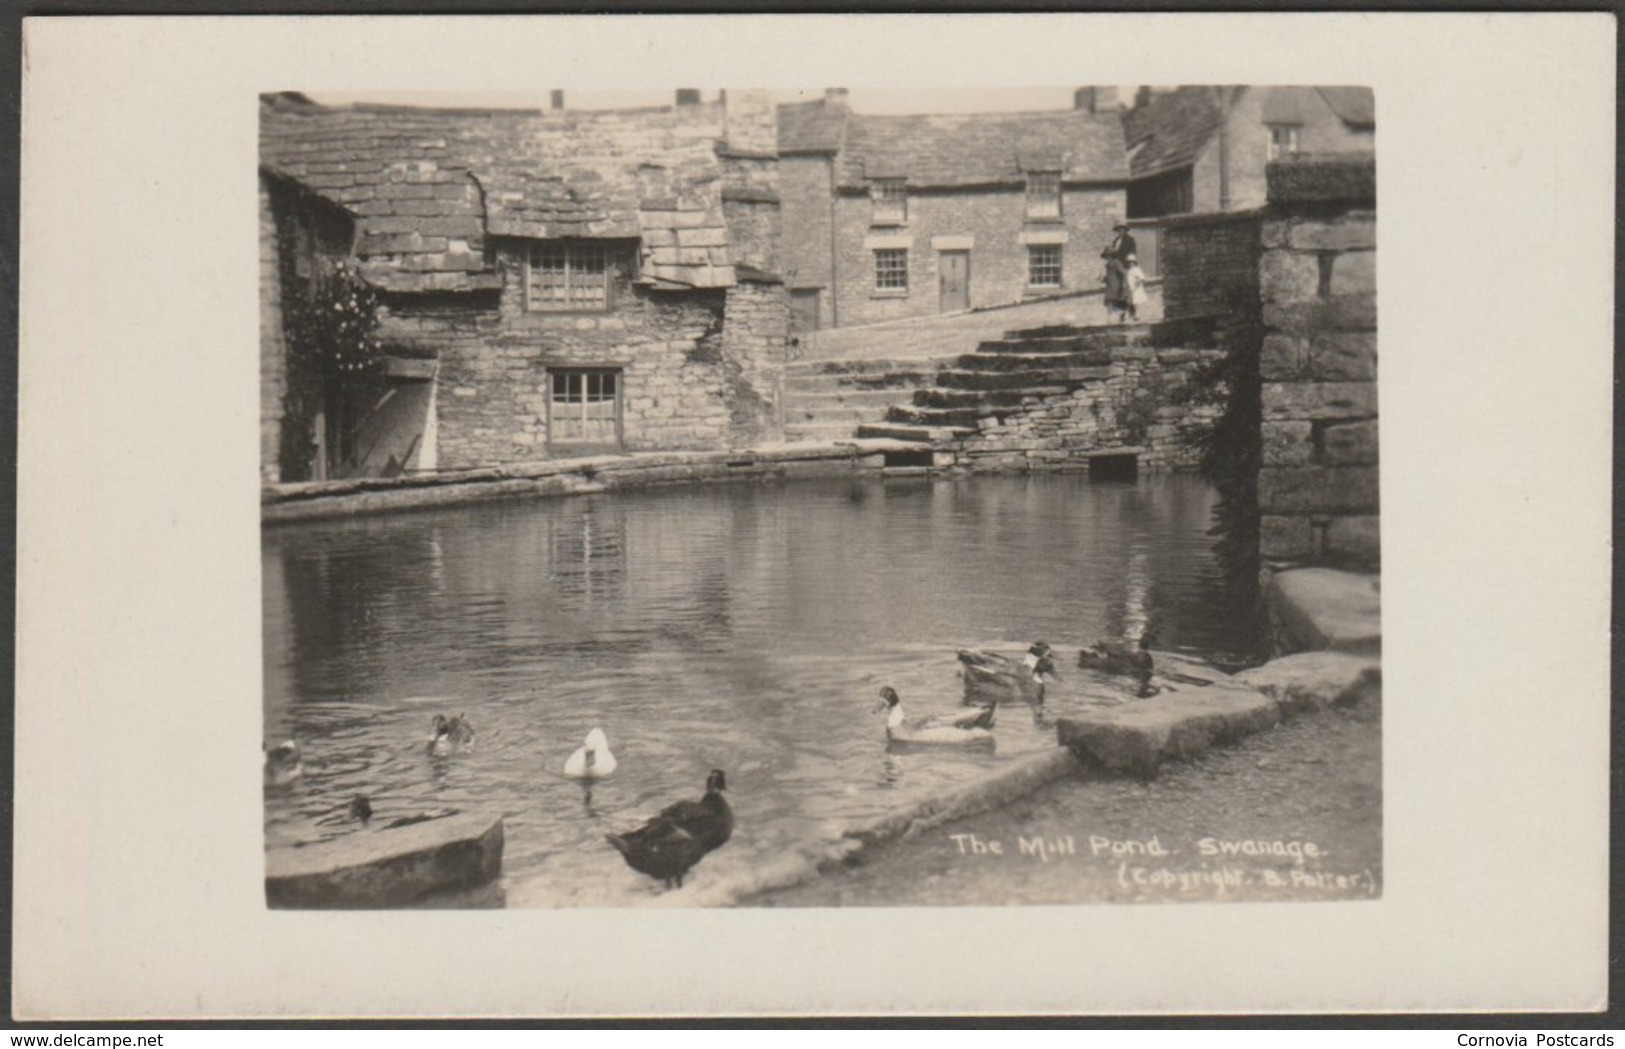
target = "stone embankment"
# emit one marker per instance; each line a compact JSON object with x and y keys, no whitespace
{"x":1198,"y":708}
{"x":388,"y":867}
{"x":323,"y":499}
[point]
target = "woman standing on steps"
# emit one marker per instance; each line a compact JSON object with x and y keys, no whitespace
{"x":1118,"y":303}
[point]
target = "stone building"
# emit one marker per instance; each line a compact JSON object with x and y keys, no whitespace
{"x":539,"y":283}
{"x":887,"y":217}
{"x":1204,"y":149}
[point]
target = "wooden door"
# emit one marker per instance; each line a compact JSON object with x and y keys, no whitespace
{"x":953,"y":269}
{"x":803,"y":310}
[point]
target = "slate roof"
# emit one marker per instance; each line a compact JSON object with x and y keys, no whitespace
{"x":978,"y":149}
{"x":1170,"y":131}
{"x":429,"y":187}
{"x":1356,"y":106}
{"x":811,"y":127}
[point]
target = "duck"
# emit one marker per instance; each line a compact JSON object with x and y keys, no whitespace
{"x":994,"y":676}
{"x":1119,"y":656}
{"x":971,"y":726}
{"x":361,"y":809}
{"x":450,"y":734}
{"x":591,"y":760}
{"x":283,"y":764}
{"x":675,"y":840}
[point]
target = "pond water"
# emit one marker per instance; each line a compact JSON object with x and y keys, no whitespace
{"x":744,"y":626}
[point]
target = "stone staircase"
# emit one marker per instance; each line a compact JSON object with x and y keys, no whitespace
{"x":942,"y":398}
{"x":830,"y":400}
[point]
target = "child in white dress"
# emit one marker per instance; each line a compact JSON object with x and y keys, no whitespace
{"x":1135,"y":278}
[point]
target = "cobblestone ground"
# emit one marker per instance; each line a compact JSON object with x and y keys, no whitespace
{"x":1293,"y":813}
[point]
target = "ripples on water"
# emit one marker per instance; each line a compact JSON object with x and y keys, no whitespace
{"x":742,"y":626}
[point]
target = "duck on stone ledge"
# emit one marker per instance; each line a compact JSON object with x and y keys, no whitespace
{"x":972,"y":726}
{"x":1119,"y":656}
{"x":992,"y":677}
{"x":668,"y":845}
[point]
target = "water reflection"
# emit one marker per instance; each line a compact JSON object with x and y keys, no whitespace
{"x":745,"y":627}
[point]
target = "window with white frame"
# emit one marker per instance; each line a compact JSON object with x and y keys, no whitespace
{"x":1043,"y":194}
{"x":1283,"y":140}
{"x":585,"y":407}
{"x":568,"y":276}
{"x":1043,"y":265}
{"x":890,"y":196}
{"x":891,"y":269}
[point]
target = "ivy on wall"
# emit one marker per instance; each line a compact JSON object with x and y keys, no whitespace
{"x":335,"y":363}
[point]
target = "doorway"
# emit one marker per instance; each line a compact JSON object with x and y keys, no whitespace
{"x":953,"y":269}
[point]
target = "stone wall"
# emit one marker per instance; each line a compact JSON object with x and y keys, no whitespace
{"x":805,"y":186}
{"x":753,"y":353}
{"x":1210,"y":264}
{"x":1137,"y":409}
{"x":994,"y":220}
{"x":494,"y":360}
{"x":273,"y":359}
{"x":1317,"y":487}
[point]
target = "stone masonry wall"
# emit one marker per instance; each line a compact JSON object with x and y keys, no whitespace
{"x":995,"y":218}
{"x":1317,"y":489}
{"x":273,"y":357}
{"x":1210,"y":264}
{"x":753,"y":354}
{"x":1133,"y":410}
{"x":804,"y":183}
{"x":494,"y":359}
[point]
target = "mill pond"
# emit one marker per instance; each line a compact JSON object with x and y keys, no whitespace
{"x":745,"y":627}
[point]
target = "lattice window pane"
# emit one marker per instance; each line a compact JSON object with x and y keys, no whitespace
{"x":1044,"y":265}
{"x":1044,"y":194}
{"x":565,"y":276}
{"x":890,"y":197}
{"x":891,"y":269}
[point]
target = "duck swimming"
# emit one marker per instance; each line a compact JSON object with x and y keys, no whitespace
{"x":1117,"y":656}
{"x":283,"y":764}
{"x":674,"y":841}
{"x":972,"y":726}
{"x":995,"y":677}
{"x":591,"y":760}
{"x":450,"y":734}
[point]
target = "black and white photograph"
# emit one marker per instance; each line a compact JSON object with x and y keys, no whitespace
{"x":822,"y":498}
{"x":539,"y":517}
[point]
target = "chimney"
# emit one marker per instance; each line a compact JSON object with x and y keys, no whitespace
{"x":1095,"y":99}
{"x":688,"y":96}
{"x":750,"y":122}
{"x":558,"y":99}
{"x":836,"y":98}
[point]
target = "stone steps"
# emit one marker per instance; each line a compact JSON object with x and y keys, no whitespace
{"x":823,"y":431}
{"x":827,"y":400}
{"x":940,"y":397}
{"x":900,"y":432}
{"x":1012,"y":361}
{"x":1016,"y":380}
{"x":959,"y":394}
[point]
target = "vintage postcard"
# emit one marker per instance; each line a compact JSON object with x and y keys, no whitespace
{"x":854,"y":518}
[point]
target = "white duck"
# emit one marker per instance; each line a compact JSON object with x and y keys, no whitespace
{"x":283,"y":764}
{"x":972,"y":726}
{"x":591,"y":760}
